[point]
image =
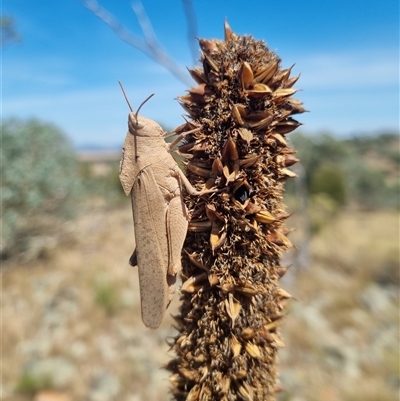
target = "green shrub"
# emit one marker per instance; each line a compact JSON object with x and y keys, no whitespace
{"x":30,"y":384}
{"x":106,"y":186}
{"x":106,"y":295}
{"x":362,"y":171}
{"x":370,"y":190}
{"x":40,"y":183}
{"x":329,"y":180}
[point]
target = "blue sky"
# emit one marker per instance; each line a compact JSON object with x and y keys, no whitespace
{"x":67,"y":67}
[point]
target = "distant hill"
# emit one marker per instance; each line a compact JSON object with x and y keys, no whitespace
{"x":90,"y":147}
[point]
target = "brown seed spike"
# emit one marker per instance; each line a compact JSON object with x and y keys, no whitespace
{"x":283,"y":294}
{"x":252,"y":208}
{"x":213,"y":279}
{"x":253,"y":350}
{"x":261,"y":124}
{"x":217,"y":236}
{"x":186,"y":148}
{"x":282,"y":271}
{"x":280,"y":78}
{"x":193,"y":393}
{"x":198,"y":90}
{"x":236,"y":115}
{"x":193,"y":284}
{"x":265,"y":73}
{"x":288,"y":173}
{"x":198,"y":75}
{"x":246,"y":135}
{"x":209,"y":64}
{"x":291,"y":81}
{"x":241,"y":374}
{"x":295,"y":105}
{"x":225,"y":385}
{"x":271,"y":326}
{"x":235,"y":346}
{"x":232,"y":308}
{"x":279,"y":138}
{"x":212,"y":214}
{"x":229,"y":35}
{"x":231,"y":256}
{"x":246,"y":75}
{"x":203,"y":172}
{"x":284,"y":92}
{"x":188,"y":374}
{"x":246,"y":392}
{"x":208,"y":46}
{"x":199,"y":226}
{"x":194,"y":259}
{"x":229,"y":151}
{"x":259,"y":91}
{"x":247,"y":333}
{"x":286,"y":126}
{"x":217,"y":166}
{"x":265,"y":217}
{"x":249,"y":161}
{"x":290,"y":160}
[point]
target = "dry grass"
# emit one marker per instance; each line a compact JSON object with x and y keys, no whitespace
{"x":343,"y":330}
{"x":82,"y":304}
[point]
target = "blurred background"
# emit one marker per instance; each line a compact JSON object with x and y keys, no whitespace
{"x":71,"y":326}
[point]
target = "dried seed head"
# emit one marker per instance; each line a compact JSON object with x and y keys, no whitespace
{"x":253,"y":350}
{"x":263,"y":216}
{"x":235,"y":346}
{"x":193,"y":393}
{"x":232,"y":308}
{"x":241,"y":109}
{"x":246,"y":392}
{"x":246,"y":75}
{"x":229,"y":151}
{"x":229,"y":35}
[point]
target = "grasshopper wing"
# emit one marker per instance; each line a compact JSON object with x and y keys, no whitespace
{"x":149,"y":217}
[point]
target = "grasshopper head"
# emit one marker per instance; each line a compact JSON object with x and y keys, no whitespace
{"x":142,"y":126}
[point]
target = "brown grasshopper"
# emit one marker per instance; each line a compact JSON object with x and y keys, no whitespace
{"x":151,"y":176}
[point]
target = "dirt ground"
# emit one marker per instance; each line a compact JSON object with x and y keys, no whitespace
{"x":71,"y":320}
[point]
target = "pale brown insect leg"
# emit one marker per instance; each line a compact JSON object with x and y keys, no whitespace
{"x":176,"y":219}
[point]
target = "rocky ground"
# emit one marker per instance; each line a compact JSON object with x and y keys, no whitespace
{"x":71,"y":322}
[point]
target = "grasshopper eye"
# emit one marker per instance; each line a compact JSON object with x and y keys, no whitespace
{"x":139,"y":125}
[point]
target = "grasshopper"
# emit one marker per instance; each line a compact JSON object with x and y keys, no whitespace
{"x":150,"y":175}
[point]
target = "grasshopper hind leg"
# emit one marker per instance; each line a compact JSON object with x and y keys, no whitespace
{"x":177,"y":224}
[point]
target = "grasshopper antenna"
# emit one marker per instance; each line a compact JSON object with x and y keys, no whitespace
{"x":130,"y":107}
{"x":126,"y":97}
{"x":136,"y":118}
{"x":141,"y":104}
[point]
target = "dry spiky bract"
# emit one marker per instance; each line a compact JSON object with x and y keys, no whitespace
{"x":241,"y":110}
